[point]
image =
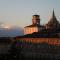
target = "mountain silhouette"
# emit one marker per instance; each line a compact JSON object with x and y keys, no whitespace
{"x":7,"y":31}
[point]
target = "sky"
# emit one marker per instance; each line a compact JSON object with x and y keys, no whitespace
{"x":19,"y":12}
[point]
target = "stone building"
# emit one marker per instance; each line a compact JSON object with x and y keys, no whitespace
{"x":35,"y":27}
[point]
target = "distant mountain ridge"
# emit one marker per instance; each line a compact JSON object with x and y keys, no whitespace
{"x":7,"y":31}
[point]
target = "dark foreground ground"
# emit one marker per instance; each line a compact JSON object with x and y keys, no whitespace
{"x":20,"y":50}
{"x":42,"y":57}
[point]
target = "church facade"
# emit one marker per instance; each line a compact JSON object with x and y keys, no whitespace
{"x":35,"y":27}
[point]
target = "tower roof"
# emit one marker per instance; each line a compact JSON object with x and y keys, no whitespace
{"x":36,"y":15}
{"x":53,"y":15}
{"x":53,"y":21}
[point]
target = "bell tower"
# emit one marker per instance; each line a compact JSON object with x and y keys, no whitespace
{"x":36,"y":19}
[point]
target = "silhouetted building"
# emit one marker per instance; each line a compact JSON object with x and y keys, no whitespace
{"x":53,"y":23}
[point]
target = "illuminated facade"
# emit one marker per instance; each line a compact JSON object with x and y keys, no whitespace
{"x":35,"y":27}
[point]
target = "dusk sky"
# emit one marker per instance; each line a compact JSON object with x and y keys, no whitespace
{"x":19,"y":12}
